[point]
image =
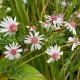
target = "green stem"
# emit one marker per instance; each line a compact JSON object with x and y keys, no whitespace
{"x":78,"y":73}
{"x":56,"y":4}
{"x":66,"y":65}
{"x":39,"y":63}
{"x":23,"y":56}
{"x":30,"y":59}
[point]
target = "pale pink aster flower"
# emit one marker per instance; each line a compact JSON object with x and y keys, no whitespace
{"x":78,"y":15}
{"x":12,"y":51}
{"x":61,"y":16}
{"x":35,"y":40}
{"x":9,"y":26}
{"x":71,"y":26}
{"x":75,"y":42}
{"x":56,"y":21}
{"x":54,"y":52}
{"x":25,"y":50}
{"x":46,"y":24}
{"x":32,"y":28}
{"x":64,"y":3}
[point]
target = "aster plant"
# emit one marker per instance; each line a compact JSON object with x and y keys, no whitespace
{"x":39,"y":40}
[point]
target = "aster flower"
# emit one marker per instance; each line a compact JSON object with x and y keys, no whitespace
{"x":64,"y":3}
{"x":25,"y":50}
{"x":9,"y":26}
{"x":54,"y":52}
{"x":12,"y":51}
{"x":35,"y":40}
{"x":71,"y":26}
{"x":46,"y":24}
{"x":61,"y":16}
{"x":75,"y":42}
{"x":32,"y":28}
{"x":78,"y":15}
{"x":24,"y":1}
{"x":56,"y":21}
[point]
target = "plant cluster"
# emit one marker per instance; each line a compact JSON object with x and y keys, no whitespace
{"x":49,"y":43}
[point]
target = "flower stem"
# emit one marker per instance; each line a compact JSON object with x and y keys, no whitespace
{"x":23,"y":56}
{"x":30,"y":59}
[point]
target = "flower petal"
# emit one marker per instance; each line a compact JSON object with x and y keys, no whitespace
{"x":73,"y":46}
{"x":60,"y":53}
{"x":19,"y":50}
{"x":51,"y":59}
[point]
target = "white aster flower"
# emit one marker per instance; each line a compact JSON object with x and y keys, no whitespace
{"x":24,"y":1}
{"x":46,"y":25}
{"x":54,"y":52}
{"x":35,"y":40}
{"x":64,"y":3}
{"x":31,"y":28}
{"x":56,"y":21}
{"x":71,"y":26}
{"x":12,"y":51}
{"x":75,"y":42}
{"x":9,"y":26}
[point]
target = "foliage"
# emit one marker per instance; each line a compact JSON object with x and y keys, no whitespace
{"x":67,"y":68}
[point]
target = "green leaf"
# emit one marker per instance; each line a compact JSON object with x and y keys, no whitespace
{"x":71,"y":9}
{"x":26,"y":72}
{"x":74,"y":68}
{"x":3,"y":63}
{"x":14,"y":10}
{"x":3,"y":66}
{"x":22,"y":12}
